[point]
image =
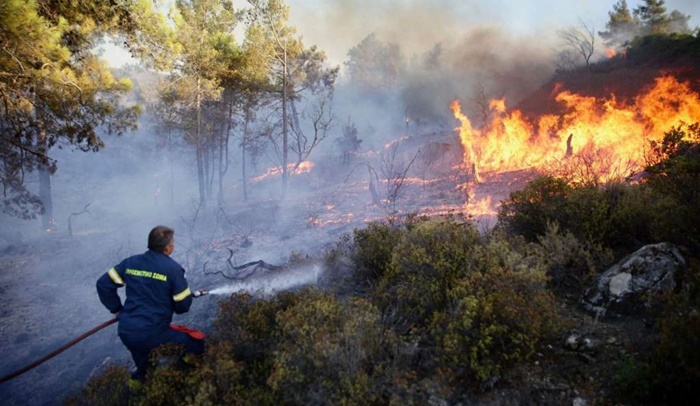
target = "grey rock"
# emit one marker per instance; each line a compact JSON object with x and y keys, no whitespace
{"x":624,"y":288}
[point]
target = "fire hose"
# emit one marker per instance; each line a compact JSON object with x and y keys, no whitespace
{"x":198,"y":293}
{"x":57,"y":351}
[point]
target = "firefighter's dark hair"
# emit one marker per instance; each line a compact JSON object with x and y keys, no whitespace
{"x":160,"y":237}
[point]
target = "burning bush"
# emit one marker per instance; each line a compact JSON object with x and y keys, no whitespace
{"x":665,"y":206}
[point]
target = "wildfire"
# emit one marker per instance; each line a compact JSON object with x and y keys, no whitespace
{"x":608,"y":135}
{"x":303,"y":167}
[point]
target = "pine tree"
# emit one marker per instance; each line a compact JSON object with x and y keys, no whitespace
{"x":622,"y":26}
{"x":55,"y":91}
{"x":653,"y":17}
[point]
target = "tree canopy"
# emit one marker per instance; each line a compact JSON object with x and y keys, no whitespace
{"x":55,"y":90}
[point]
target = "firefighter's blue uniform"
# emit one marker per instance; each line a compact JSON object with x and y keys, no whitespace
{"x":155,"y":288}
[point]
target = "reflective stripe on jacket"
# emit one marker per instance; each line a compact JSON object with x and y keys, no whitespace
{"x":155,"y":288}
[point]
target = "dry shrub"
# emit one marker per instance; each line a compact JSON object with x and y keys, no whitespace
{"x":571,"y":265}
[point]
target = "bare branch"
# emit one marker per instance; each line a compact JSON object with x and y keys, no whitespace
{"x":242,"y":272}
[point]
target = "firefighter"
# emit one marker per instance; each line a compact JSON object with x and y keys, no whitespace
{"x":155,"y":289}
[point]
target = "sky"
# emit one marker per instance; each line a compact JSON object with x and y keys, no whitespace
{"x":336,"y":26}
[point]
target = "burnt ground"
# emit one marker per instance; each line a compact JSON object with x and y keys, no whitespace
{"x":48,"y":296}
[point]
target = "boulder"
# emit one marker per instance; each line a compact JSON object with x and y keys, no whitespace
{"x":626,"y":287}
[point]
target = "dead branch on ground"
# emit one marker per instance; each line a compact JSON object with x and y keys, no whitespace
{"x":242,"y":272}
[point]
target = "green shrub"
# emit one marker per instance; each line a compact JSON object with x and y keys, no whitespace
{"x":527,"y":211}
{"x":426,"y":261}
{"x":675,"y":169}
{"x":571,"y":265}
{"x":632,"y":378}
{"x":495,"y":319}
{"x":587,"y":214}
{"x":675,"y":360}
{"x":330,"y":352}
{"x":373,"y":250}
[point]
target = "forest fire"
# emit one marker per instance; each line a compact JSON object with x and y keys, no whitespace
{"x":600,"y":138}
{"x":303,"y":167}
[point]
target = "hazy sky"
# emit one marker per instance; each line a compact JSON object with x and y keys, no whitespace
{"x":336,"y":26}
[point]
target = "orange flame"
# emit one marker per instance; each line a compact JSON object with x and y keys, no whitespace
{"x":593,"y":130}
{"x":303,"y":167}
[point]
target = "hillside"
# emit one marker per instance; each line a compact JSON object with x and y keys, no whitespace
{"x":624,"y":75}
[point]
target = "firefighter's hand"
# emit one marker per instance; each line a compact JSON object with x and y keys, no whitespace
{"x":200,"y":292}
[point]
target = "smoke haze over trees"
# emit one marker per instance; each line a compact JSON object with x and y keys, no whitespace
{"x":233,"y":102}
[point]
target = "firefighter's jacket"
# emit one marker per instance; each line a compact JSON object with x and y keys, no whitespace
{"x":155,"y":288}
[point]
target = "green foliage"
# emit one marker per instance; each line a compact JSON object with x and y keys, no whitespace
{"x":332,"y":359}
{"x":251,"y":324}
{"x":664,"y":48}
{"x":675,"y":361}
{"x":676,"y":179}
{"x":110,"y":388}
{"x":482,"y":304}
{"x":669,"y":373}
{"x":374,"y":66}
{"x":631,"y":378}
{"x":373,"y":248}
{"x":55,"y":90}
{"x":495,"y":319}
{"x":571,"y":265}
{"x":527,"y":211}
{"x":425,"y":263}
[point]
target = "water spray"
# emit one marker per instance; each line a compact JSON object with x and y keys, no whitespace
{"x":270,"y":284}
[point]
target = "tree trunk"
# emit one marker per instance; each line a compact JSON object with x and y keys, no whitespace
{"x":200,"y":149}
{"x":244,"y":144}
{"x":47,"y":221}
{"x":285,"y":175}
{"x":223,"y":153}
